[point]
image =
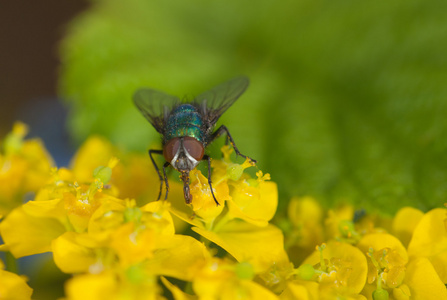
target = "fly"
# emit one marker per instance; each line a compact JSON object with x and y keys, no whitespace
{"x":188,"y":128}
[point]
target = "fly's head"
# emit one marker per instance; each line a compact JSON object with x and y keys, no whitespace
{"x":183,"y":153}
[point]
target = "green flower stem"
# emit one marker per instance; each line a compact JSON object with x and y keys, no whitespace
{"x":11,"y":263}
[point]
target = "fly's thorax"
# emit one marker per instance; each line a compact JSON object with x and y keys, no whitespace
{"x":183,"y":153}
{"x":185,"y":120}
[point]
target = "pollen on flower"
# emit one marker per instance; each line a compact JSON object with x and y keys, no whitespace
{"x":262,"y":177}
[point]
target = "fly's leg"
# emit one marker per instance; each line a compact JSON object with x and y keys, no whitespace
{"x":166,"y":164}
{"x":223,"y":129}
{"x":206,"y":157}
{"x":158,"y":171}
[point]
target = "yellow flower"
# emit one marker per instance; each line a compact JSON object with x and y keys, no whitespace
{"x":135,"y":178}
{"x":405,"y":222}
{"x":305,"y":216}
{"x":336,"y":217}
{"x":254,"y":201}
{"x":340,"y":270}
{"x":76,"y":253}
{"x":123,"y":237}
{"x":422,"y":281}
{"x":113,"y":286}
{"x":221,"y":279}
{"x":392,"y":271}
{"x":94,"y":152}
{"x":62,"y":205}
{"x":24,"y":167}
{"x":143,"y":231}
{"x":242,"y":229}
{"x":125,"y":229}
{"x":13,"y":286}
{"x":390,"y":254}
{"x":39,"y":222}
{"x":203,"y":203}
{"x":261,"y":246}
{"x":300,"y":290}
{"x":25,"y":234}
{"x":119,"y":246}
{"x":176,"y":292}
{"x":430,"y":240}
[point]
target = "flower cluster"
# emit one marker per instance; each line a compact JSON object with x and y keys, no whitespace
{"x":364,"y":256}
{"x":24,"y":167}
{"x":100,"y":221}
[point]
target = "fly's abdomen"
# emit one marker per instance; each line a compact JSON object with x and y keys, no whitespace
{"x":184,"y":120}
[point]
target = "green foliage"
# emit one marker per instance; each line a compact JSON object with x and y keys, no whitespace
{"x":347,"y":101}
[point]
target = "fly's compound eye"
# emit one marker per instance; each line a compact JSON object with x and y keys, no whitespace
{"x":194,"y":147}
{"x":171,"y":148}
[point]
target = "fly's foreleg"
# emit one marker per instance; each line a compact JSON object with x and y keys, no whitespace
{"x":166,"y":164}
{"x":223,"y":129}
{"x":158,"y":172}
{"x":206,"y":157}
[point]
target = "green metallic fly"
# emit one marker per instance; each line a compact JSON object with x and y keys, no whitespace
{"x":188,"y":128}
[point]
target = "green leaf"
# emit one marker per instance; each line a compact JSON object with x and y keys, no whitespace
{"x":347,"y":98}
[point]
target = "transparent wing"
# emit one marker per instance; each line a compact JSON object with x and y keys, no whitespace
{"x":155,"y":106}
{"x":216,"y":101}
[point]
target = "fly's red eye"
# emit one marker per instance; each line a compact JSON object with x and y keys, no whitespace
{"x":171,"y":148}
{"x":194,"y":147}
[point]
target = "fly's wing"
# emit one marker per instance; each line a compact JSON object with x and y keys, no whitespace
{"x":215,"y":102}
{"x":155,"y":106}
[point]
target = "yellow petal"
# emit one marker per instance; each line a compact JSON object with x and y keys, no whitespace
{"x":39,"y":164}
{"x":178,"y":258}
{"x":177,"y":293}
{"x":300,"y":290}
{"x":12,"y":173}
{"x":112,"y":286}
{"x":423,"y":281}
{"x":260,"y":246}
{"x":332,"y":222}
{"x":203,"y":202}
{"x":92,"y":287}
{"x":379,"y":241}
{"x":430,"y":240}
{"x":405,"y":222}
{"x":70,"y":256}
{"x":160,"y":216}
{"x":249,"y":290}
{"x":133,"y":245}
{"x":225,"y":286}
{"x":350,"y":258}
{"x":26,"y":235}
{"x":13,"y":287}
{"x":135,"y":178}
{"x":45,"y":209}
{"x":256,"y":205}
{"x":402,"y":292}
{"x":107,"y":217}
{"x":306,"y":216}
{"x":96,"y":151}
{"x":186,"y":214}
{"x":304,"y":211}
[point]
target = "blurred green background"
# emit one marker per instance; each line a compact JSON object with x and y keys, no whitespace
{"x":347,"y":99}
